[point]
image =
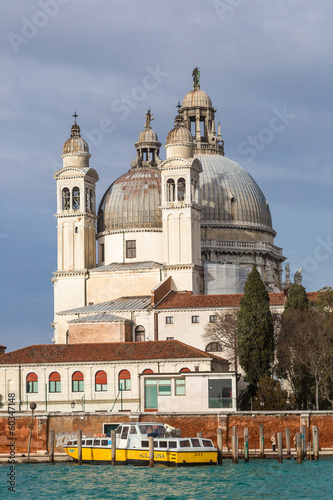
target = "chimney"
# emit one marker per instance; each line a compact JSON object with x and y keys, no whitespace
{"x":2,"y":349}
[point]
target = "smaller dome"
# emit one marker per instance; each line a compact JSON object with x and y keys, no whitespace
{"x":179,"y":134}
{"x":197,"y":98}
{"x":147,"y":135}
{"x":75,"y":144}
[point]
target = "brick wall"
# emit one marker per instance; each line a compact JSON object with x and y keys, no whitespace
{"x":66,"y":424}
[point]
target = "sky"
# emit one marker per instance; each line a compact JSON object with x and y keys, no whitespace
{"x":266,"y":66}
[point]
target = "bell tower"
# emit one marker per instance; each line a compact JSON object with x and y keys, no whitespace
{"x":76,"y":205}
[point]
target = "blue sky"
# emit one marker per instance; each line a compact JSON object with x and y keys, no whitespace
{"x":265,"y":65}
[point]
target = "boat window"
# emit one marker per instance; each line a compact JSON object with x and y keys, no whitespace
{"x":143,"y":429}
{"x":163,"y":444}
{"x":104,"y":442}
{"x":97,"y":442}
{"x":207,"y":443}
{"x":133,"y":430}
{"x":118,"y":430}
{"x":195,"y":443}
{"x":69,"y":443}
{"x":124,"y":434}
{"x":83,"y":442}
{"x":74,"y":443}
{"x":172,"y":444}
{"x":145,"y":444}
{"x":88,"y":442}
{"x":156,"y":444}
{"x":184,"y":443}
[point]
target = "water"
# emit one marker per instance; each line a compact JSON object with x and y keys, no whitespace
{"x":258,"y":479}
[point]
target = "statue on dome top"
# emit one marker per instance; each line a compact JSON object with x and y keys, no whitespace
{"x":196,"y":77}
{"x":149,"y":118}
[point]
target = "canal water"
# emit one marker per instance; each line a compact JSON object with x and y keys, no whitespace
{"x":258,"y":479}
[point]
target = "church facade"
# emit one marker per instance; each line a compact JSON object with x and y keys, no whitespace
{"x":195,"y":222}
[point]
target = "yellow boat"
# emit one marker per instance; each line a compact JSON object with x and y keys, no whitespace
{"x":132,"y":447}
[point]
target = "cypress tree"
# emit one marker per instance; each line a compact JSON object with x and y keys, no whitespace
{"x":255,"y":330}
{"x":297,"y":299}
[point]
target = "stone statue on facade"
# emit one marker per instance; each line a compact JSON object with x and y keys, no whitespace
{"x":287,"y":269}
{"x":298,"y":277}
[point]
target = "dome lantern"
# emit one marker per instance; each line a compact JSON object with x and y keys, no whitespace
{"x":148,"y":146}
{"x":75,"y":151}
{"x":179,"y":141}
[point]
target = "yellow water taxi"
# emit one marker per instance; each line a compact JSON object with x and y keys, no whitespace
{"x":132,"y":447}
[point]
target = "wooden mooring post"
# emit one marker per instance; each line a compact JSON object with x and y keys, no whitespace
{"x":79,"y":447}
{"x":299,"y":456}
{"x":151,"y":451}
{"x":315,"y":437}
{"x":261,"y":441}
{"x":219,"y":446}
{"x":280,"y":447}
{"x":51,"y":445}
{"x":113,"y":447}
{"x":234,"y":448}
{"x":288,"y":451}
{"x":246,"y":444}
{"x":303,"y":430}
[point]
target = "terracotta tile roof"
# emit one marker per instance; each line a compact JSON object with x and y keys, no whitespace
{"x":186,"y":300}
{"x":115,"y":351}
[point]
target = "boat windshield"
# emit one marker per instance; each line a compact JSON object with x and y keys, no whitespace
{"x":151,"y":428}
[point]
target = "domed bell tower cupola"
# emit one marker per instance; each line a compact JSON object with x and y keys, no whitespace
{"x":199,"y":117}
{"x":148,"y":146}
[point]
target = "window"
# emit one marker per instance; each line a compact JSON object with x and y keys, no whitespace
{"x":184,"y":370}
{"x":54,"y":382}
{"x":91,"y":201}
{"x":170,"y":338}
{"x":214,"y":347}
{"x":164,"y":387}
{"x":131,"y":249}
{"x":169,"y":320}
{"x":180,"y":387}
{"x":101,"y":381}
{"x":32,"y":382}
{"x":124,"y":380}
{"x":66,"y":199}
{"x":76,"y":229}
{"x":181,"y":189}
{"x":170,"y":190}
{"x":76,"y":198}
{"x":77,"y":382}
{"x":195,"y":319}
{"x":102,"y":253}
{"x":220,"y":393}
{"x":213,"y":318}
{"x":147,"y":370}
{"x":139,"y":334}
{"x":87,"y":198}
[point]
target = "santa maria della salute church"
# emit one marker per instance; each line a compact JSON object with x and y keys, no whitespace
{"x":141,"y":275}
{"x":195,"y":222}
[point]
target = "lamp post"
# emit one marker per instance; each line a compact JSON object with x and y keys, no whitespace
{"x":262,"y":404}
{"x":33,"y":407}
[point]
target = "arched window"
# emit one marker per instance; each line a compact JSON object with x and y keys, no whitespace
{"x":66,"y":199}
{"x":139,"y":334}
{"x":214,"y":347}
{"x":54,"y":382}
{"x":170,"y":190}
{"x":101,"y":381}
{"x":147,"y":371}
{"x":124,"y":380}
{"x":100,"y":221}
{"x":87,"y":199}
{"x":32,"y":382}
{"x":181,"y":189}
{"x":77,"y":382}
{"x":184,"y":370}
{"x":91,"y":200}
{"x":76,"y":198}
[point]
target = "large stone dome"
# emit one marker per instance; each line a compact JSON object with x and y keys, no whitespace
{"x":195,"y":98}
{"x":229,"y":195}
{"x":132,"y":201}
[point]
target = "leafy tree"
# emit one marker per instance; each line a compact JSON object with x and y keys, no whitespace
{"x":255,"y":330}
{"x":272,"y":395}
